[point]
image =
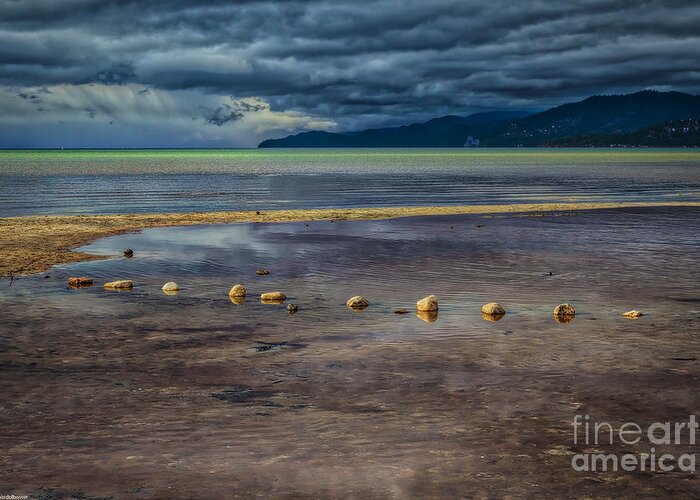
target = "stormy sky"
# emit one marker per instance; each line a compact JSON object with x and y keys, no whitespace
{"x":179,"y":73}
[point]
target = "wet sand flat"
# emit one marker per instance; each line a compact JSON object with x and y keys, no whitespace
{"x":33,"y":243}
{"x":135,"y":394}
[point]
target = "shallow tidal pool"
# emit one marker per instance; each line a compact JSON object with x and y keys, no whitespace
{"x":138,"y":393}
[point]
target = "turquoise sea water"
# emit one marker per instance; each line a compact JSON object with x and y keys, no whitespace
{"x":127,"y":181}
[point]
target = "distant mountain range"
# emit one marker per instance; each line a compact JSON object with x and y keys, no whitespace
{"x":445,"y":132}
{"x":646,"y":118}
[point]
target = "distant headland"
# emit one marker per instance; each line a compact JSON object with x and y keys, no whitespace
{"x":642,"y":119}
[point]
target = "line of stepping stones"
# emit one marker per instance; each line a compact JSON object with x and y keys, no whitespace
{"x":426,"y":307}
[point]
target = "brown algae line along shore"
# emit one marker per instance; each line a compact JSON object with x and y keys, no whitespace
{"x":32,"y":244}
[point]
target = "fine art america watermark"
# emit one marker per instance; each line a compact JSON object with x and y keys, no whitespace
{"x":587,"y":432}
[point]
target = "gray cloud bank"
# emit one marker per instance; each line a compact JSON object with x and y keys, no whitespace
{"x":186,"y":73}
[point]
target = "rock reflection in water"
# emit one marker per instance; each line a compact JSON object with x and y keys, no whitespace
{"x":428,"y":316}
{"x":493,"y":317}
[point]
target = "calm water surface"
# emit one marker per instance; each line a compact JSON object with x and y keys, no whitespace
{"x":138,"y":393}
{"x":84,"y":182}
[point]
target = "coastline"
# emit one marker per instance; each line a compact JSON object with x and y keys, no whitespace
{"x":32,"y":244}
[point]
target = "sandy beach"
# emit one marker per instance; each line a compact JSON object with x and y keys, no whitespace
{"x":34,"y":243}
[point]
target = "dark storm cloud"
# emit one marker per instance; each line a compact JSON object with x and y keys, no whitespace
{"x":358,"y":63}
{"x":116,"y":74}
{"x":230,"y":112}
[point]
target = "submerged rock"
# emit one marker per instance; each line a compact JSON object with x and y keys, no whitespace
{"x":400,"y":310}
{"x":429,"y":303}
{"x":120,"y":285}
{"x":237,"y":291}
{"x":170,"y":286}
{"x":564,"y":319}
{"x":292,"y":308}
{"x":128,"y":253}
{"x":428,"y":316}
{"x":77,"y":282}
{"x":564,"y":313}
{"x":357,"y":302}
{"x":492,"y":312}
{"x":633,"y":314}
{"x":273,"y":297}
{"x":262,"y":272}
{"x":493,"y":309}
{"x":492,"y":317}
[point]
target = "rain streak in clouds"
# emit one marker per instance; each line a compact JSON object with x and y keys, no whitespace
{"x":81,"y":73}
